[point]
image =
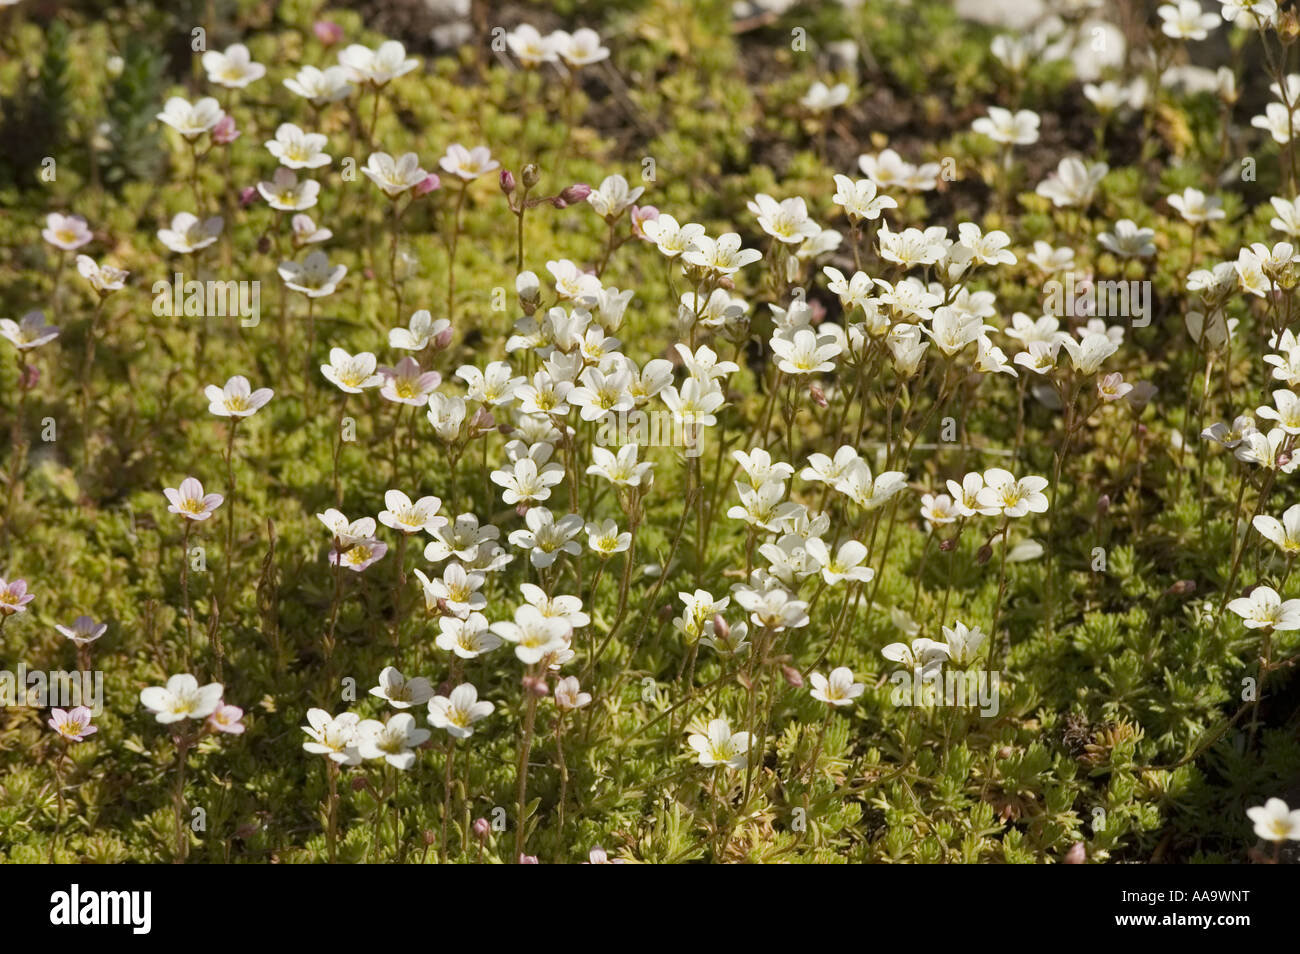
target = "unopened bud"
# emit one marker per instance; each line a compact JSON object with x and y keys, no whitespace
{"x":225,"y":131}
{"x":442,"y":339}
{"x":264,"y":244}
{"x":1004,"y":752}
{"x":948,"y":544}
{"x":536,"y":685}
{"x":721,"y":628}
{"x":577,"y":192}
{"x":358,"y":783}
{"x":792,"y":676}
{"x":1103,"y":505}
{"x":665,"y":613}
{"x":1182,"y":588}
{"x":507,"y":181}
{"x":327,"y":31}
{"x":247,"y":196}
{"x":428,"y":184}
{"x":1076,"y":855}
{"x":817,"y":394}
{"x":481,"y":828}
{"x":984,"y":554}
{"x":530,"y":175}
{"x":429,"y":837}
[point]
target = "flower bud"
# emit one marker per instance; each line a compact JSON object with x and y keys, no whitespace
{"x":1182,"y":588}
{"x":1005,"y":752}
{"x":528,"y":859}
{"x":536,"y":685}
{"x":530,"y":176}
{"x":792,"y":676}
{"x":948,"y":544}
{"x":1076,"y":855}
{"x":429,"y":836}
{"x":327,"y":31}
{"x":577,"y":192}
{"x":247,"y":196}
{"x":481,"y":828}
{"x":442,"y":339}
{"x":358,"y":783}
{"x":507,"y":181}
{"x":1103,"y":505}
{"x":264,"y":244}
{"x":817,"y":394}
{"x":721,"y":628}
{"x":984,"y":554}
{"x":429,"y":183}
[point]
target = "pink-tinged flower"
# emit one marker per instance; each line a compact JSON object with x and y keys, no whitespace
{"x":225,"y":718}
{"x":327,"y":31}
{"x":74,"y":726}
{"x":430,"y":183}
{"x":360,"y":555}
{"x":528,"y":859}
{"x":598,"y":856}
{"x":642,"y":214}
{"x":235,"y":399}
{"x":468,"y":164}
{"x":225,"y":131}
{"x":14,"y":597}
{"x":29,"y":332}
{"x":190,"y":501}
{"x":83,"y":630}
{"x":68,"y":232}
{"x":407,"y":384}
{"x":577,"y":192}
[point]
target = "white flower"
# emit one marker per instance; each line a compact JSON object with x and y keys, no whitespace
{"x":190,"y":501}
{"x":1285,"y":533}
{"x":1287,"y":219}
{"x":668,"y":236}
{"x":1278,"y":122}
{"x":333,"y":736}
{"x":1264,"y":608}
{"x":403,"y":514}
{"x":1003,"y":126}
{"x":1003,"y":493}
{"x":613,"y":196}
{"x":400,"y":692}
{"x":320,"y":86}
{"x":394,"y":176}
{"x":347,"y":533}
{"x":963,"y":644}
{"x":569,"y":694}
{"x":580,"y":48}
{"x":286,"y":194}
{"x":351,"y":373}
{"x":722,"y":255}
{"x":377,"y":67}
{"x":1286,"y":411}
{"x":546,"y":538}
{"x":805,"y":352}
{"x":468,"y":164}
{"x":990,"y":249}
{"x":1194,"y":206}
{"x":1185,"y":20}
{"x":838,"y":690}
{"x":845,"y":564}
{"x":235,"y":399}
{"x":860,"y":200}
{"x":605,"y":540}
{"x":313,"y":276}
{"x":786,"y":221}
{"x":458,"y":712}
{"x":1073,"y":183}
{"x":534,"y":635}
{"x":1087,"y":355}
{"x":923,"y":654}
{"x":181,"y":698}
{"x":393,"y":742}
{"x":820,"y":98}
{"x":720,"y":746}
{"x":419,"y":333}
{"x":773,"y":609}
{"x":67,"y":232}
{"x":531,"y":47}
{"x":297,"y":149}
{"x":191,"y":121}
{"x":1274,"y":821}
{"x":102,"y":278}
{"x":233,"y":69}
{"x":189,"y":233}
{"x":406,"y":383}
{"x":457,"y":592}
{"x":468,"y":638}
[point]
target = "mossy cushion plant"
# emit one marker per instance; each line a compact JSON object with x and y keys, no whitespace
{"x":833,"y":434}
